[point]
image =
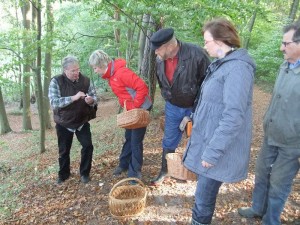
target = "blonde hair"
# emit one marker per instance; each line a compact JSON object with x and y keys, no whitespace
{"x":99,"y":58}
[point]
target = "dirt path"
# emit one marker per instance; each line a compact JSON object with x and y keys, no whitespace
{"x":44,"y":202}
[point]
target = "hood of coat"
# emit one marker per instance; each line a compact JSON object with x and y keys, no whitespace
{"x":113,"y":66}
{"x":239,"y":54}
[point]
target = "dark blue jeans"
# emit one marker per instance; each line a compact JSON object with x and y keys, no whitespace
{"x":173,"y":118}
{"x":205,"y":199}
{"x":131,"y":156}
{"x":65,"y":139}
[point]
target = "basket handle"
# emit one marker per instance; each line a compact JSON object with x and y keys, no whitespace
{"x":125,"y":108}
{"x":124,"y":180}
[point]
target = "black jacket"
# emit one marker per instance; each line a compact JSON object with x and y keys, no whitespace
{"x":77,"y":113}
{"x":188,"y":75}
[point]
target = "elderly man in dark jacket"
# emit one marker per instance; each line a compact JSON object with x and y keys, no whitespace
{"x":180,"y":71}
{"x":72,"y":98}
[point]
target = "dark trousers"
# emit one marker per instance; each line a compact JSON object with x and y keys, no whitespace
{"x":131,"y":157}
{"x":65,"y":138}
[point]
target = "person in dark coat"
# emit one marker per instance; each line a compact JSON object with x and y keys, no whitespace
{"x":72,"y":97}
{"x":180,"y":71}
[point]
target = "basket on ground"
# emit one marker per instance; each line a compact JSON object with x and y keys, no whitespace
{"x":176,"y":168}
{"x":126,"y":200}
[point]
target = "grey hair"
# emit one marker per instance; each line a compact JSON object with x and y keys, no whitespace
{"x":99,"y":58}
{"x":68,"y":60}
{"x":172,"y":41}
{"x":294,"y":26}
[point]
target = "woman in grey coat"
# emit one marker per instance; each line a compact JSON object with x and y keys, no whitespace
{"x":219,"y":146}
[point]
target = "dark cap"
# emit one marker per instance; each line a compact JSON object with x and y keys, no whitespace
{"x":161,"y":37}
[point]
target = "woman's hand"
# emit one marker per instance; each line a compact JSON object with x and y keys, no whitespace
{"x":206,"y":164}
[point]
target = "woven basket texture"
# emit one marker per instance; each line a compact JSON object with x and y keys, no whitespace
{"x":127,"y":200}
{"x":162,"y":122}
{"x":132,"y":119}
{"x":176,"y":168}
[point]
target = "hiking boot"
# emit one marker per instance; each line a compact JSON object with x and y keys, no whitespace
{"x":159,"y":179}
{"x":248,"y":212}
{"x":118,"y":171}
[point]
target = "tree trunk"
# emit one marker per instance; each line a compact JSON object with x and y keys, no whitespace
{"x":117,"y":33}
{"x":293,"y":11}
{"x":251,"y":25}
{"x":48,"y":62}
{"x":39,"y":80}
{"x":129,"y":46}
{"x":26,"y":71}
{"x":4,"y":124}
{"x":142,"y":41}
{"x":148,"y":69}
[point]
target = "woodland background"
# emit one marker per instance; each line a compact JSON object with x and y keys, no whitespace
{"x":35,"y":35}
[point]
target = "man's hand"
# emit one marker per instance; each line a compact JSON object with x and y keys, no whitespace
{"x":206,"y":164}
{"x":89,"y":100}
{"x":79,"y":95}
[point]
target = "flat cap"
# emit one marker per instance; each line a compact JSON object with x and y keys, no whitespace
{"x":161,"y":37}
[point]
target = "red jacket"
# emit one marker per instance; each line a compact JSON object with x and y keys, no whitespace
{"x":126,"y":85}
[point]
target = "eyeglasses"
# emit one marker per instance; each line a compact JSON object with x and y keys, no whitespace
{"x":286,"y":43}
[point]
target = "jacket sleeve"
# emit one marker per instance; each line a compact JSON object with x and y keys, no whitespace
{"x":134,"y":82}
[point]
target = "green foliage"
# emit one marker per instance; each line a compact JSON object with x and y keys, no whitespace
{"x":265,"y":48}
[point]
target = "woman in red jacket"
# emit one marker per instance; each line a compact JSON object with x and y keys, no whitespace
{"x":129,"y":87}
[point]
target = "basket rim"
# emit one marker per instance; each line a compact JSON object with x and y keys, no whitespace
{"x":123,"y":181}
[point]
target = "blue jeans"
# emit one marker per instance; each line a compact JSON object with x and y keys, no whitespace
{"x":65,"y":139}
{"x":276,"y":168}
{"x":131,"y":156}
{"x":205,"y":199}
{"x":173,"y":118}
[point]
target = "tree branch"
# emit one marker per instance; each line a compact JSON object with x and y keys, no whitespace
{"x":128,"y":16}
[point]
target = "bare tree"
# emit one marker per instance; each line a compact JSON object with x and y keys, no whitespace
{"x":26,"y":70}
{"x":4,"y":124}
{"x":293,"y":10}
{"x":48,"y":62}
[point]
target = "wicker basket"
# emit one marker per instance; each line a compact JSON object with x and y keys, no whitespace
{"x":134,"y":118}
{"x":176,"y":168}
{"x":162,"y":122}
{"x":127,"y":200}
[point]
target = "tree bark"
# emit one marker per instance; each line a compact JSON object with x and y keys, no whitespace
{"x":117,"y":32}
{"x":142,"y":41}
{"x":38,"y":78}
{"x":293,"y":10}
{"x":251,"y":25}
{"x":26,"y":71}
{"x":48,"y":63}
{"x":4,"y":124}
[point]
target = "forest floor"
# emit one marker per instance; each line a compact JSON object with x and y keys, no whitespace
{"x":30,"y":178}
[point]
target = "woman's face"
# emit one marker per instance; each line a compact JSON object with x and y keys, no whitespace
{"x":210,"y":45}
{"x":99,"y":70}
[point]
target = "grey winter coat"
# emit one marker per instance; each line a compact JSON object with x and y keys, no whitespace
{"x":282,"y":120}
{"x":222,"y":122}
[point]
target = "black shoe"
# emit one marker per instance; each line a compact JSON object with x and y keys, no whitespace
{"x":159,"y":179}
{"x":119,"y":170}
{"x":84,"y":179}
{"x":61,"y":180}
